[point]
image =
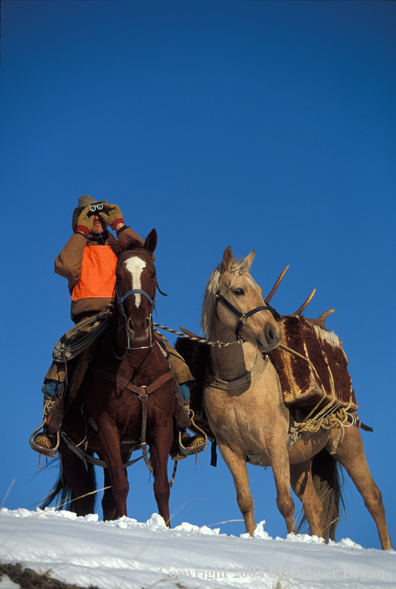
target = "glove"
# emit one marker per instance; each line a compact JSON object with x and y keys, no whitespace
{"x":112,"y":215}
{"x":85,"y":221}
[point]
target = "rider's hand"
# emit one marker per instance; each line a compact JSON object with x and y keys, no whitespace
{"x":111,"y":215}
{"x":85,"y":221}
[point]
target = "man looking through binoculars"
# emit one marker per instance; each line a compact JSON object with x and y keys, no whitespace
{"x":88,"y":263}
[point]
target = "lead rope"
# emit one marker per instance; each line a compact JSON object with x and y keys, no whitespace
{"x":195,"y":338}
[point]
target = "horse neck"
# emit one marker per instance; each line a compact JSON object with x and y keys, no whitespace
{"x":233,"y":361}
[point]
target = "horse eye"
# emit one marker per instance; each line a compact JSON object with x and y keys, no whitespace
{"x":239,"y":292}
{"x":154,"y":276}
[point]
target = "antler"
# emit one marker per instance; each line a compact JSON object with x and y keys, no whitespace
{"x":277,"y":283}
{"x":321,"y":320}
{"x":324,"y":315}
{"x":309,"y":299}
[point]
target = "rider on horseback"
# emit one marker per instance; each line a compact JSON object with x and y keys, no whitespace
{"x":88,"y":263}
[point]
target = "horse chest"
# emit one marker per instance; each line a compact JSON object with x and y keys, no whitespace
{"x":235,"y":420}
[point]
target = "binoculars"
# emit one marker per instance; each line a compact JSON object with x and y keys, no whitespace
{"x":95,"y":209}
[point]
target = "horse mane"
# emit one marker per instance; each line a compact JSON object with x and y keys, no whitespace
{"x":237,"y":268}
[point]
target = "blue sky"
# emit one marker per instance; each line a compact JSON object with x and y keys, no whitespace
{"x":260,"y":125}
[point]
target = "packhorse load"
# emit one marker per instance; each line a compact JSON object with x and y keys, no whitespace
{"x":312,"y":366}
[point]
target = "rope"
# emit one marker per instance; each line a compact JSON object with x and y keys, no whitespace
{"x":66,"y":349}
{"x":198,"y":339}
{"x":91,"y":459}
{"x":332,"y":414}
{"x":291,"y":351}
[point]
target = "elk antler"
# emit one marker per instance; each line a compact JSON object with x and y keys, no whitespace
{"x":324,"y":315}
{"x":309,"y":299}
{"x":277,"y":283}
{"x":321,"y":320}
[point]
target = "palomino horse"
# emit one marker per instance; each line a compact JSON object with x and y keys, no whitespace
{"x":128,"y":396}
{"x":246,"y":412}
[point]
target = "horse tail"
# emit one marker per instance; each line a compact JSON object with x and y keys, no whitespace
{"x":327,"y":479}
{"x":62,"y":494}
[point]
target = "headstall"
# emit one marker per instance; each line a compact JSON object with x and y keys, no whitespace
{"x":120,"y":300}
{"x":242,"y":317}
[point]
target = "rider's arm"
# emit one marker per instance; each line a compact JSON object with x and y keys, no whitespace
{"x":68,"y":263}
{"x":127,"y":235}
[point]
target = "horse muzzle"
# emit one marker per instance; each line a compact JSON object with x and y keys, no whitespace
{"x":272,"y":338}
{"x":139,"y":329}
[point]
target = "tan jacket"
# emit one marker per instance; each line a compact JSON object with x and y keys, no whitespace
{"x":68,"y":265}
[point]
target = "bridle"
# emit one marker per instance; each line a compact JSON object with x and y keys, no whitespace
{"x":121,"y":299}
{"x":242,"y":317}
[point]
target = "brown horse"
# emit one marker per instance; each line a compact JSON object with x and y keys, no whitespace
{"x":127,"y":400}
{"x":244,"y":404}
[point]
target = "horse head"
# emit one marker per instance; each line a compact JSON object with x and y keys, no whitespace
{"x":238,"y":305}
{"x":136,"y":283}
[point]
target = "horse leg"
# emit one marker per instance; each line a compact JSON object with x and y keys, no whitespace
{"x":350,"y":453}
{"x":239,"y":472}
{"x":80,"y":480}
{"x":109,"y":505}
{"x":110,"y":448}
{"x":159,"y":452}
{"x":303,"y":486}
{"x":281,"y":469}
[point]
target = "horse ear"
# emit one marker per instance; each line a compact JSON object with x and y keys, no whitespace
{"x":151,"y":241}
{"x":249,"y":259}
{"x":228,"y":259}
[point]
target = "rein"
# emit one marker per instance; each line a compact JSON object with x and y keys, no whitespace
{"x":242,"y":317}
{"x":85,"y":457}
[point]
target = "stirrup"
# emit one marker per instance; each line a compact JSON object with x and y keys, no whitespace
{"x":196,"y":444}
{"x":50,"y":452}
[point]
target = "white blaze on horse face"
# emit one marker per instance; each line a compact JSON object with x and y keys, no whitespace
{"x":136,"y":266}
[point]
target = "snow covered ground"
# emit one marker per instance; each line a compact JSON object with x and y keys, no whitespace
{"x":128,"y":554}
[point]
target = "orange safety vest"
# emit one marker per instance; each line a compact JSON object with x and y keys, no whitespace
{"x":97,"y":278}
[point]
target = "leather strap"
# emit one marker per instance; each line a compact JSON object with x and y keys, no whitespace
{"x":244,"y":381}
{"x":124,"y":382}
{"x":243,"y":317}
